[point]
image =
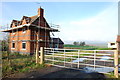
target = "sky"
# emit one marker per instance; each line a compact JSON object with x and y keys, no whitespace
{"x":78,"y":21}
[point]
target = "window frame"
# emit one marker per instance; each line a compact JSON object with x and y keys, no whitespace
{"x":56,"y":45}
{"x":112,"y":44}
{"x":24,"y":30}
{"x":13,"y":32}
{"x":12,"y":45}
{"x":25,"y":45}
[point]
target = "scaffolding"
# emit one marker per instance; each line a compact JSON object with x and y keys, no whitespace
{"x":38,"y":38}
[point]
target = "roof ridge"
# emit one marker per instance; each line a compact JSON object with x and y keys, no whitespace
{"x":14,"y":20}
{"x":33,"y":16}
{"x":25,"y":16}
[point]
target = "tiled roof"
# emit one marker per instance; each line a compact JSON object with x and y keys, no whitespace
{"x":57,"y":40}
{"x":118,"y":38}
{"x":32,"y":21}
{"x":26,"y":18}
{"x":16,"y":22}
{"x":33,"y":18}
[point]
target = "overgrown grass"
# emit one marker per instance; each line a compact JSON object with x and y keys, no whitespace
{"x":18,"y":63}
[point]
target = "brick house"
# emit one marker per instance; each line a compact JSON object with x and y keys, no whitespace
{"x":29,"y":32}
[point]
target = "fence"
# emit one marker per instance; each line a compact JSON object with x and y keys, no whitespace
{"x":103,"y":61}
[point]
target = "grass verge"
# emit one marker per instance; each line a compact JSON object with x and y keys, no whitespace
{"x":15,"y":63}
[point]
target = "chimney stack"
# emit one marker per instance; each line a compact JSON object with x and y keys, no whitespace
{"x":40,"y":12}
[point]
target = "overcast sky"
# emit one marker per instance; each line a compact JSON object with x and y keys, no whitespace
{"x":79,"y":21}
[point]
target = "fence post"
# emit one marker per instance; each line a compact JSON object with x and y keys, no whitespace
{"x":116,"y":63}
{"x":41,"y":55}
{"x":78,"y":60}
{"x":37,"y":50}
{"x":36,"y":55}
{"x":94,"y":59}
{"x":53,"y":56}
{"x":64,"y":57}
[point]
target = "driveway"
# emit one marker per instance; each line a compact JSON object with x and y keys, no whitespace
{"x":56,"y":72}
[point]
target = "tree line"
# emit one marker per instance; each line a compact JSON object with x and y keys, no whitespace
{"x":82,"y":43}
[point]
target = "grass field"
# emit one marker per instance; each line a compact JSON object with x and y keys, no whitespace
{"x":85,"y":47}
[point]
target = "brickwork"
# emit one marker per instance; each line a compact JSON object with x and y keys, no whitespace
{"x":26,"y":36}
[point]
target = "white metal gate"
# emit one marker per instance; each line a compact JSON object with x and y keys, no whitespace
{"x":81,"y":59}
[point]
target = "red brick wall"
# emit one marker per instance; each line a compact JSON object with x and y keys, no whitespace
{"x":28,"y":35}
{"x":17,"y":37}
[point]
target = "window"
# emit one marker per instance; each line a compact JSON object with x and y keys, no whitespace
{"x":112,"y":44}
{"x":23,"y":45}
{"x":24,"y":30}
{"x":13,"y":32}
{"x":27,"y":20}
{"x":56,"y":45}
{"x":13,"y":44}
{"x":15,"y":24}
{"x":51,"y":45}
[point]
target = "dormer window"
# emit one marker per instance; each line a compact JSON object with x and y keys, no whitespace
{"x":24,"y":30}
{"x":15,"y":24}
{"x":18,"y":23}
{"x":27,"y":20}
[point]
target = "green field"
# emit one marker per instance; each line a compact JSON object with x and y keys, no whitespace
{"x":85,"y":47}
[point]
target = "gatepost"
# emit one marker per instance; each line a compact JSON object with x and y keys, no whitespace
{"x":41,"y":55}
{"x":116,"y":64}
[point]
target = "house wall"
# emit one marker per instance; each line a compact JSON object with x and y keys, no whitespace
{"x":60,"y":46}
{"x":31,"y":34}
{"x":18,"y":37}
{"x":42,"y":34}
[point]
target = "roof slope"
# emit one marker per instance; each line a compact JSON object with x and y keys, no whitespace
{"x":37,"y":21}
{"x":57,"y":41}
